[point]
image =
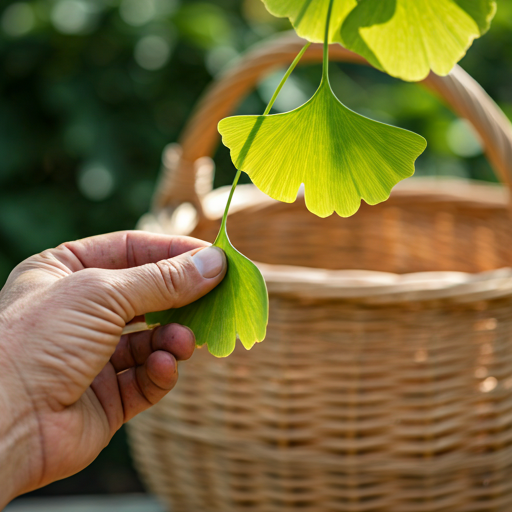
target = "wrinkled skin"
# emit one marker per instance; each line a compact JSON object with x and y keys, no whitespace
{"x":68,"y":378}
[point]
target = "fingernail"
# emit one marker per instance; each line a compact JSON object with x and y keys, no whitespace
{"x":209,"y":261}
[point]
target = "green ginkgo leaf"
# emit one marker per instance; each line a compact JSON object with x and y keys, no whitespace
{"x":308,"y":16}
{"x":341,"y":157}
{"x":237,"y":307}
{"x":405,"y":38}
{"x":408,"y":38}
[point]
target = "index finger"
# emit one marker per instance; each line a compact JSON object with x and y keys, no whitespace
{"x":125,"y":249}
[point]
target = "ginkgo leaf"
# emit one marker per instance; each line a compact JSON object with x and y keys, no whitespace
{"x":308,"y":16}
{"x":408,"y":38}
{"x":236,"y":308}
{"x":341,"y":157}
{"x":404,"y":38}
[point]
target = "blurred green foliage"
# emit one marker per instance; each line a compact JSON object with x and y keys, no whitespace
{"x":92,"y":90}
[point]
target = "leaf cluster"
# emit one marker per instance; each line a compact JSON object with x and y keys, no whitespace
{"x":404,"y":38}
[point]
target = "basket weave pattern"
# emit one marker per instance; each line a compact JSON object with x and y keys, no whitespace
{"x":394,"y":419}
{"x":407,"y":234}
{"x":372,"y":392}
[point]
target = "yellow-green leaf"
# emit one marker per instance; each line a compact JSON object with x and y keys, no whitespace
{"x":341,"y":157}
{"x":404,"y":38}
{"x":408,"y":38}
{"x":236,"y":308}
{"x":308,"y":16}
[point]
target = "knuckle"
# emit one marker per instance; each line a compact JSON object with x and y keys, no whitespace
{"x":92,"y":281}
{"x":171,"y":275}
{"x":92,"y":276}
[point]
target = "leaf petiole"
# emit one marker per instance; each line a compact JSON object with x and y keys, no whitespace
{"x":267,"y":110}
{"x":228,"y":204}
{"x":325,"y":70}
{"x":285,"y":78}
{"x":339,"y":156}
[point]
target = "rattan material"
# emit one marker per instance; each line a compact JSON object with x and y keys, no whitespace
{"x":376,"y":390}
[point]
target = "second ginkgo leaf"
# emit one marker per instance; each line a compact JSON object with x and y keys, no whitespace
{"x":340,"y":156}
{"x":236,"y":308}
{"x":404,"y":38}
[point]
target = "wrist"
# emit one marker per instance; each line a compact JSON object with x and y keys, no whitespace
{"x":20,"y":455}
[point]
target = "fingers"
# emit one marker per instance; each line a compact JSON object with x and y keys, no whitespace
{"x":143,"y":386}
{"x":124,"y":249}
{"x":135,"y":349}
{"x":106,"y":389}
{"x":149,"y":370}
{"x":170,"y":283}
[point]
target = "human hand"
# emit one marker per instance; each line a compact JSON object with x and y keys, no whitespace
{"x":68,"y":379}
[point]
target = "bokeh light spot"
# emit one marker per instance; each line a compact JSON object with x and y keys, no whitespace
{"x":96,"y":182}
{"x":219,"y":57}
{"x":488,"y":384}
{"x":204,"y":24}
{"x":137,"y":12}
{"x":18,"y":19}
{"x":462,"y":139}
{"x":291,"y":96}
{"x":152,"y":52}
{"x":72,"y":16}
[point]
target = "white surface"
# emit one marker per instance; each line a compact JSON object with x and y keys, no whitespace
{"x":125,"y":503}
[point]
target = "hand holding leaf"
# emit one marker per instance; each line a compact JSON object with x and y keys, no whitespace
{"x":237,"y":307}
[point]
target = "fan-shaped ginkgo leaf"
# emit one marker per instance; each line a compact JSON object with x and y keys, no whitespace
{"x":340,"y":156}
{"x":404,"y":38}
{"x":237,"y":307}
{"x":408,"y":38}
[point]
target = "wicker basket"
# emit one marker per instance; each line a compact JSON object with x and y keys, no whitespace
{"x":384,"y":389}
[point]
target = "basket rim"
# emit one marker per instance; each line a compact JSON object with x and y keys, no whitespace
{"x":428,"y":189}
{"x":361,"y":286}
{"x":385,"y":287}
{"x":382,"y":287}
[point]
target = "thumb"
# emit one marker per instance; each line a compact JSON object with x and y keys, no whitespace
{"x":171,"y":283}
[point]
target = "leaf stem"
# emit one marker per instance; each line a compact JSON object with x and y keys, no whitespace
{"x":267,"y":110}
{"x":285,"y":78}
{"x":325,"y":71}
{"x":228,"y":204}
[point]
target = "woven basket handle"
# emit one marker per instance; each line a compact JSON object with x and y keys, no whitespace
{"x":187,"y":173}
